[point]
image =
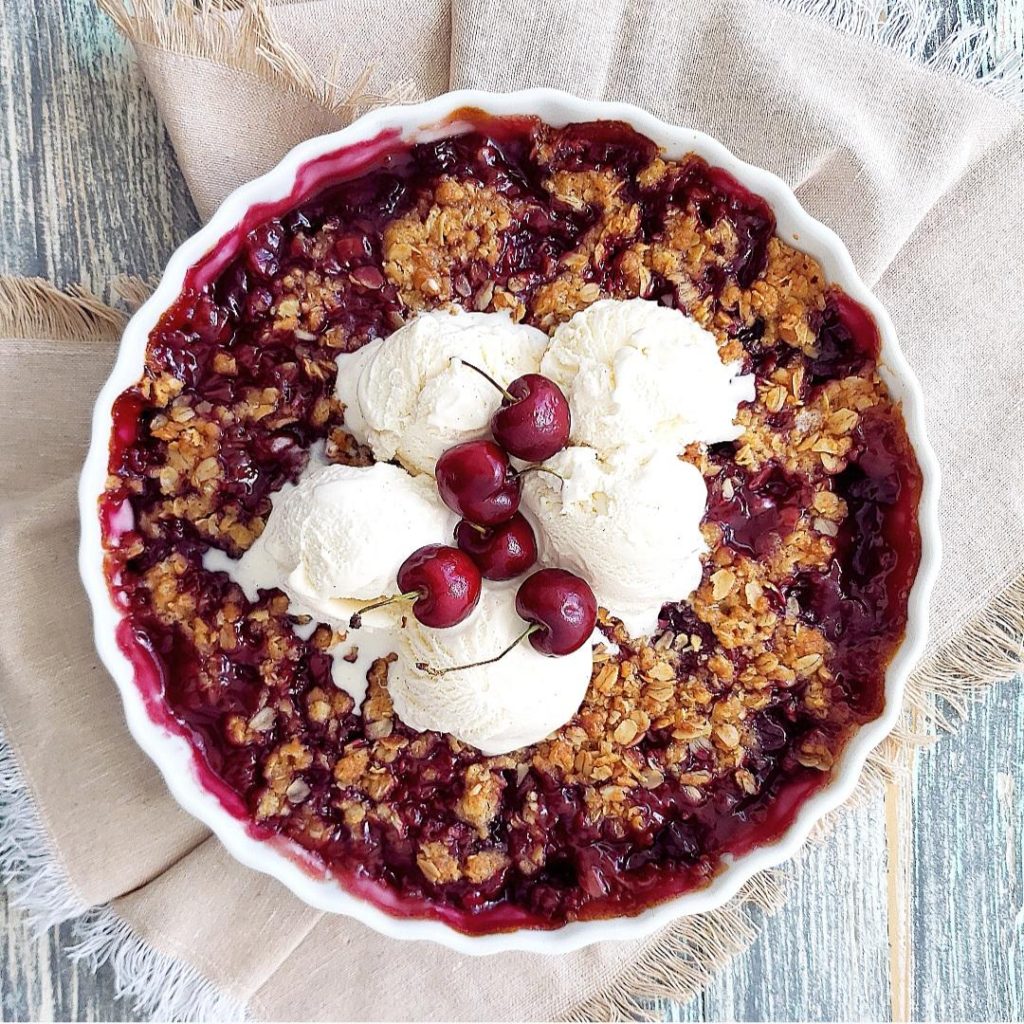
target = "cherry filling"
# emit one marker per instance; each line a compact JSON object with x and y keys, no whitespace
{"x":238,"y":386}
{"x":760,"y":509}
{"x":863,"y":597}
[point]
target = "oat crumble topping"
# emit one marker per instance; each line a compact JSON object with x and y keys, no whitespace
{"x":688,"y":741}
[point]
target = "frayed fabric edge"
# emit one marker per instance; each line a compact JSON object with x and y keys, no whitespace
{"x":988,"y":54}
{"x":989,"y":650}
{"x":683,"y":958}
{"x":133,"y":290}
{"x":157,"y":985}
{"x":33,"y":308}
{"x":244,"y":37}
{"x":28,"y":865}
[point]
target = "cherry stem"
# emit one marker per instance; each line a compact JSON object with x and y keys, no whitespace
{"x":540,"y":469}
{"x":489,"y":378}
{"x":438,"y":672}
{"x":357,"y":617}
{"x":482,"y":530}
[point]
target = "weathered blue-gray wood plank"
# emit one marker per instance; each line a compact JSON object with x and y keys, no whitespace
{"x":72,"y":110}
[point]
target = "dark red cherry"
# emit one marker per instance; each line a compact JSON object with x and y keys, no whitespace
{"x":263,"y":248}
{"x":501,"y":552}
{"x":476,"y":480}
{"x":561,"y":611}
{"x":533,"y":421}
{"x":562,"y":605}
{"x":447,"y":582}
{"x":211,"y":323}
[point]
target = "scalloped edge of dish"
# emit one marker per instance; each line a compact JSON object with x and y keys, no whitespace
{"x":173,"y":755}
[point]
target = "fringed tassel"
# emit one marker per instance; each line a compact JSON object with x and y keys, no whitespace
{"x":686,"y":956}
{"x":28,"y":865}
{"x":158,"y":985}
{"x":133,"y":291}
{"x":989,"y":53}
{"x":989,"y":650}
{"x":33,"y":308}
{"x":244,"y":37}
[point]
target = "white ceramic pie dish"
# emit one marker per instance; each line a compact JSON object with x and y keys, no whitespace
{"x":174,"y":756}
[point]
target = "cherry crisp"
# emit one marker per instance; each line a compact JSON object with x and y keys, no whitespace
{"x":698,"y":741}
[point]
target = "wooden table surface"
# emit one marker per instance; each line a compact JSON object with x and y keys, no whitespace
{"x":936,"y":937}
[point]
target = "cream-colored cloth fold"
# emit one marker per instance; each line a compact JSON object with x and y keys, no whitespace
{"x":919,"y":173}
{"x":58,"y":710}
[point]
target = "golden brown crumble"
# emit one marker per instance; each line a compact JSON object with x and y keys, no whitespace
{"x":681,"y":706}
{"x":463,"y":222}
{"x":437,"y":863}
{"x":481,"y":797}
{"x":572,"y":290}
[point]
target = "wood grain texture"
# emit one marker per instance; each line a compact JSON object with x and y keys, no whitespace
{"x":79,"y":135}
{"x":72,"y":111}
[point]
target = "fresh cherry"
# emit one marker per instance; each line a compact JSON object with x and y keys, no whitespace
{"x":561,"y":608}
{"x":447,"y":581}
{"x":444,"y":582}
{"x":501,"y":552}
{"x":532,"y":422}
{"x":561,"y":611}
{"x":476,"y":480}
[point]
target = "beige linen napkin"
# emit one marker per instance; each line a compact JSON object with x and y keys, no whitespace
{"x":918,"y":171}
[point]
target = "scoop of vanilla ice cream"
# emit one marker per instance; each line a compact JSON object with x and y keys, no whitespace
{"x":628,"y":522}
{"x":518,"y":700}
{"x":639,"y":372}
{"x":410,"y":398}
{"x":338,"y":538}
